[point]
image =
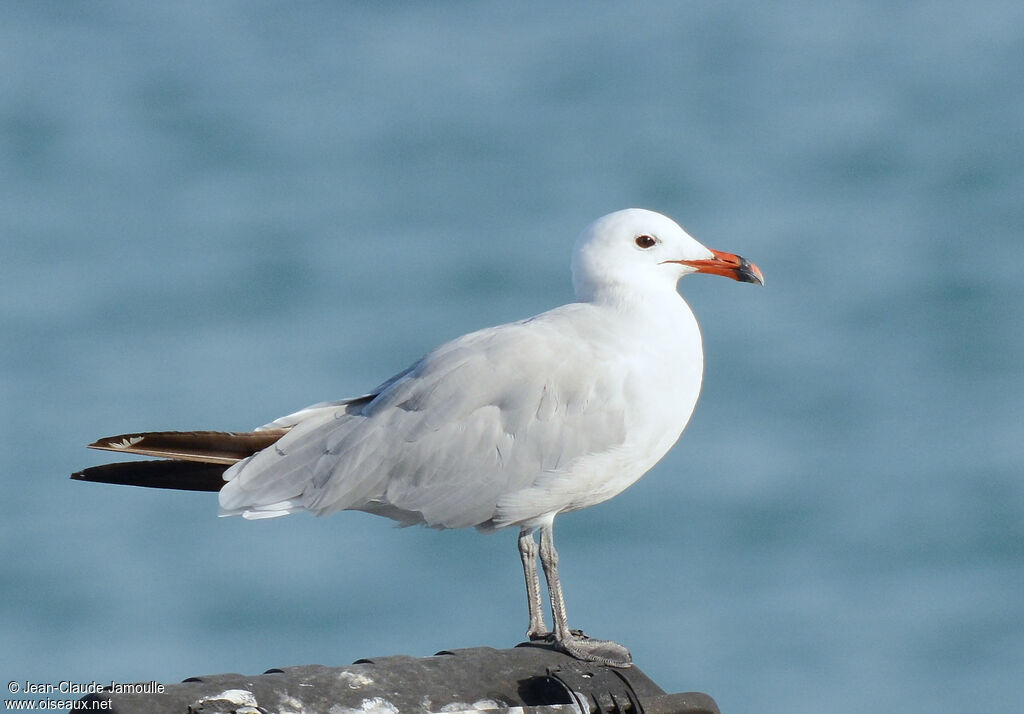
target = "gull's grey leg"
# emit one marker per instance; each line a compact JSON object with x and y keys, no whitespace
{"x":528,"y":552}
{"x":574,"y":643}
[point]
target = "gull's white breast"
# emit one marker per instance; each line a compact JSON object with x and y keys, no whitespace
{"x":660,"y":368}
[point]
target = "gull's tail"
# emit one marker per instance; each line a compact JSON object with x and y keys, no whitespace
{"x":191,"y":460}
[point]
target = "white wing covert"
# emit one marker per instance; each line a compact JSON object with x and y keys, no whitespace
{"x":478,"y":418}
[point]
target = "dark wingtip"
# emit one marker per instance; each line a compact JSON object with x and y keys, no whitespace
{"x":176,"y":475}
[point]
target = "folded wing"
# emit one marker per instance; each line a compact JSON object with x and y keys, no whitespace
{"x":479,"y":418}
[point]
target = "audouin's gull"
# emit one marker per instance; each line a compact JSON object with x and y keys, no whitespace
{"x":507,"y":426}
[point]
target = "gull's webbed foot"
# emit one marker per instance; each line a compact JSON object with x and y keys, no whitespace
{"x":584,"y":648}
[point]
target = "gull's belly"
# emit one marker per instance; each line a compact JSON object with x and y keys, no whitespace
{"x":659,"y":413}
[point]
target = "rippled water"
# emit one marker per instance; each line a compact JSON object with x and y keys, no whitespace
{"x":215,"y":213}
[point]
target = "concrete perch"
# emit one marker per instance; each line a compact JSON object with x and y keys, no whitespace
{"x":528,"y":678}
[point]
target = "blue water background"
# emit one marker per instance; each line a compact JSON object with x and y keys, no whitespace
{"x":215,"y":213}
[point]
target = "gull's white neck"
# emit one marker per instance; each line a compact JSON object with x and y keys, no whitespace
{"x":646,"y":298}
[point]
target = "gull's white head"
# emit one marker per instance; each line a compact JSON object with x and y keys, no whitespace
{"x":636,"y":252}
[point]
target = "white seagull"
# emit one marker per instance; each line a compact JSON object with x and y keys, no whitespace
{"x":505,"y":427}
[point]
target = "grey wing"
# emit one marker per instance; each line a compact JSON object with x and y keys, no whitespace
{"x":478,"y":419}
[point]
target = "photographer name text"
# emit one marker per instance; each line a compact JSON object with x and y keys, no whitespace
{"x":83,"y":688}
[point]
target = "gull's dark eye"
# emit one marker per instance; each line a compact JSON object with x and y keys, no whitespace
{"x":645,"y":242}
